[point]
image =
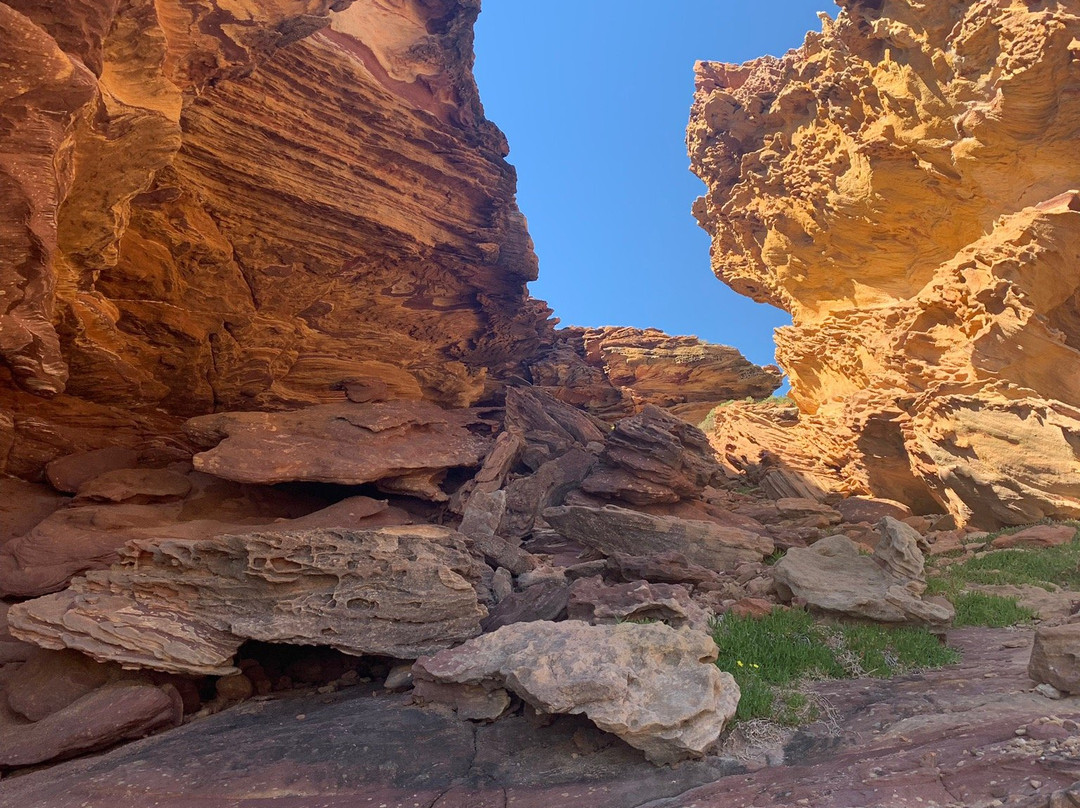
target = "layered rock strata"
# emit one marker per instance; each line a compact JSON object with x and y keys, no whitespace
{"x":904,"y":186}
{"x":248,"y":206}
{"x":614,"y":372}
{"x":186,"y":606}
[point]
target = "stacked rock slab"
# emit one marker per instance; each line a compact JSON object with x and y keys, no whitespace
{"x":614,"y":372}
{"x":186,"y":606}
{"x":904,"y":185}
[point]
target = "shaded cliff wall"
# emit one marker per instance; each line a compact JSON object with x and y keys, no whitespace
{"x":904,"y":185}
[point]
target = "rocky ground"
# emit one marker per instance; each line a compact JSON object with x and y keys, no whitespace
{"x":973,"y":734}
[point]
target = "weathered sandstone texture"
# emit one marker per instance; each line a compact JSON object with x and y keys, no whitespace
{"x":244,"y":206}
{"x":614,"y":372}
{"x":1055,"y":657}
{"x":405,"y":446}
{"x":904,"y":185}
{"x":186,"y":606}
{"x":655,"y":687}
{"x":833,"y":577}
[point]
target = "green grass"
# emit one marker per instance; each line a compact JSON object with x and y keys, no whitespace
{"x":980,"y":609}
{"x":788,"y":647}
{"x":1042,"y":567}
{"x":1035,"y":567}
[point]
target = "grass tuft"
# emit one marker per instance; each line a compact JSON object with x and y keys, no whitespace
{"x":787,"y":647}
{"x":981,"y":609}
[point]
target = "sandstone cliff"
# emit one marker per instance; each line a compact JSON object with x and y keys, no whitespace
{"x":903,"y":185}
{"x":210,"y":206}
{"x":247,"y":206}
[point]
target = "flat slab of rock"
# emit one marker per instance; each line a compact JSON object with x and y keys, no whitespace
{"x":833,"y":576}
{"x":405,"y":446}
{"x":1055,"y":657}
{"x":186,"y":606}
{"x":1038,"y":536}
{"x":76,"y":539}
{"x":612,"y":530}
{"x":653,"y":686}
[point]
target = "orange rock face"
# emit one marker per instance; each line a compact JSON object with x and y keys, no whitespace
{"x":247,"y":205}
{"x":903,"y":185}
{"x":614,"y":372}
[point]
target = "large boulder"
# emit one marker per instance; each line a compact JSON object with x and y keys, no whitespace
{"x":187,"y":606}
{"x":1055,"y":657}
{"x":834,"y":576}
{"x":403,"y":446}
{"x":655,"y":687}
{"x":614,"y":530}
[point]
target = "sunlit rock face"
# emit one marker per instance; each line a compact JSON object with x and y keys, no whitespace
{"x":246,"y":205}
{"x":904,"y":185}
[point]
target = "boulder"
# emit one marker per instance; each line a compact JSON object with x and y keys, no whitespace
{"x":655,"y":687}
{"x":139,"y":486}
{"x":528,"y":497}
{"x":97,"y":720}
{"x":1055,"y":657}
{"x":595,"y":602}
{"x":483,"y":514}
{"x":403,"y":446}
{"x":186,"y":606}
{"x":618,"y":530}
{"x":833,"y":577}
{"x":871,"y":509}
{"x":663,"y":568}
{"x":546,"y":600}
{"x":653,"y":457}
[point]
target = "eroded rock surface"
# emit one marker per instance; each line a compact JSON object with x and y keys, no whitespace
{"x":887,"y":743}
{"x":186,"y":606}
{"x":163,"y":164}
{"x":616,"y":371}
{"x":651,"y":685}
{"x":904,"y":185}
{"x":404,"y":446}
{"x":833,"y":576}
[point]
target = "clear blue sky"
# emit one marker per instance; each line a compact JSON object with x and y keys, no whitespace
{"x":594,"y":96}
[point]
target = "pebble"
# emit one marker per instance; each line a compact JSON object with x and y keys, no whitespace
{"x":1049,"y":691}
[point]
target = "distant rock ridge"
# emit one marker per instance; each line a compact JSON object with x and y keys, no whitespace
{"x":905,"y":185}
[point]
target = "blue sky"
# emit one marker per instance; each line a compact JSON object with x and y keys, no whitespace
{"x":594,"y":97}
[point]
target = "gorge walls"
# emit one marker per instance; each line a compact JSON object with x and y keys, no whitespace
{"x":905,"y":186}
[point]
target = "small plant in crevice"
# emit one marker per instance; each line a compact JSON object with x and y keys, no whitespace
{"x":770,"y":658}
